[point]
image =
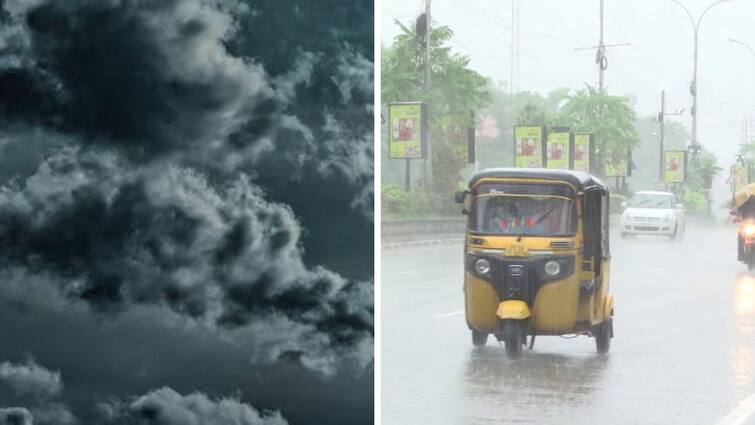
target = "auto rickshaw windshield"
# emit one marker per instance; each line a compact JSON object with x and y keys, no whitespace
{"x":521,"y":214}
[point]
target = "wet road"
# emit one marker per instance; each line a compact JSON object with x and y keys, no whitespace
{"x":683,"y":352}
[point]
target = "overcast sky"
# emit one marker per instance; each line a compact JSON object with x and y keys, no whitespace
{"x":660,"y":56}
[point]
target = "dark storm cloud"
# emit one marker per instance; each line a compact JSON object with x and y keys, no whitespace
{"x":31,"y":379}
{"x":53,"y":414}
{"x":15,"y":416}
{"x":207,"y":161}
{"x":149,"y":75}
{"x":167,"y":407}
{"x":164,"y":236}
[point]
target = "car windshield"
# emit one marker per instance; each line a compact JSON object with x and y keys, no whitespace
{"x":646,"y":200}
{"x":516,"y":214}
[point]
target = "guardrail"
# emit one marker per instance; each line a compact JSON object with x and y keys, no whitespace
{"x":426,"y":226}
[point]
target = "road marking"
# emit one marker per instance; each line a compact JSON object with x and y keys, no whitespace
{"x":391,"y":275}
{"x":741,"y":413}
{"x":453,"y":313}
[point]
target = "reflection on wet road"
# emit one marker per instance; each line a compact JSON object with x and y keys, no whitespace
{"x":684,"y":351}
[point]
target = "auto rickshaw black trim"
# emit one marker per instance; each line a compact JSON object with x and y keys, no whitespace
{"x":510,"y":294}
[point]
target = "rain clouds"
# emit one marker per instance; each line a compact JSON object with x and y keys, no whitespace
{"x":192,"y":158}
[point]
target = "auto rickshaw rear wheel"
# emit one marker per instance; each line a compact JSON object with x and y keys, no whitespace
{"x":513,"y":337}
{"x":479,"y":338}
{"x":603,"y":333}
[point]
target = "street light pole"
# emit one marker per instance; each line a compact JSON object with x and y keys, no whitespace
{"x":693,"y":86}
{"x":743,"y":44}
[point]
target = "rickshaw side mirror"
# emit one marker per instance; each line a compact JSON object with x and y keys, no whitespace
{"x":460,"y":196}
{"x":732,"y":212}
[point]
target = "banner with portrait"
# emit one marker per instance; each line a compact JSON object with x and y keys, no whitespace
{"x":528,"y":142}
{"x":618,"y":164}
{"x":557,"y":148}
{"x":583,"y":145}
{"x":674,"y":166}
{"x":407,"y":136}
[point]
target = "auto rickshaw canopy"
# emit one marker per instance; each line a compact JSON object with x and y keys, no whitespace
{"x":742,"y":195}
{"x":578,"y":179}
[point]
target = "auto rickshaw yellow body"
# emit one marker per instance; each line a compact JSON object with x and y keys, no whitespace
{"x":549,"y":275}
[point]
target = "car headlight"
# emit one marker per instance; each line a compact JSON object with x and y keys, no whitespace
{"x":628,"y":217}
{"x":482,"y":266}
{"x":552,"y":268}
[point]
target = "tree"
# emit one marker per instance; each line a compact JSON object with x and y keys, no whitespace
{"x":610,"y":118}
{"x":456,"y":90}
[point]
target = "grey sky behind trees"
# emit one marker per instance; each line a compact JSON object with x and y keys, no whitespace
{"x":660,"y":56}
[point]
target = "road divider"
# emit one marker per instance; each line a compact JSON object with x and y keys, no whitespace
{"x":420,"y":243}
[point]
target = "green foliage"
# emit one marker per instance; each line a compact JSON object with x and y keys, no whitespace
{"x":456,"y":90}
{"x":697,"y":202}
{"x":397,"y":203}
{"x":610,"y":118}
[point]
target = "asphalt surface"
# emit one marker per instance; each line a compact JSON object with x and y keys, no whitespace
{"x":683,"y":352}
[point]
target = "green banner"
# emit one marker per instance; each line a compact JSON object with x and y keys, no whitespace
{"x":557,"y":150}
{"x":617,"y":166}
{"x":582,"y":152}
{"x":674,"y":166}
{"x":405,"y":137}
{"x":529,"y":147}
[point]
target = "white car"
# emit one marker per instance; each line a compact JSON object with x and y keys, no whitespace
{"x":653,"y":213}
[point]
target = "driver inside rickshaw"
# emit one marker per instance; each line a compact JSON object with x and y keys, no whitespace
{"x":508,"y":218}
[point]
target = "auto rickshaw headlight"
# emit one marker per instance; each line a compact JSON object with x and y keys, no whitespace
{"x":552,"y":268}
{"x":749,"y":229}
{"x":482,"y":266}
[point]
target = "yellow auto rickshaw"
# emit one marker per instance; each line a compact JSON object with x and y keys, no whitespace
{"x":743,"y":208}
{"x":536,"y":257}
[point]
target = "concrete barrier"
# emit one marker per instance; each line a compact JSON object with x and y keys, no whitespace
{"x":398,"y":229}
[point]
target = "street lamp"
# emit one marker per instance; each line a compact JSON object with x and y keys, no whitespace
{"x":695,"y":148}
{"x":743,"y":44}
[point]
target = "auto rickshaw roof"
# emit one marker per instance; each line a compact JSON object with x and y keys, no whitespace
{"x":578,"y":179}
{"x":743,"y":194}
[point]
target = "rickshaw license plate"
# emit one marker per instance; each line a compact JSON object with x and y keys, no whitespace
{"x":517,"y":251}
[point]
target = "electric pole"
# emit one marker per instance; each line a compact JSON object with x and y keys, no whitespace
{"x":600,"y":57}
{"x":428,"y":74}
{"x":695,"y":144}
{"x":662,"y":119}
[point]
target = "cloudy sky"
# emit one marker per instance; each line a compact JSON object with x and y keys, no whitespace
{"x":660,"y":56}
{"x":171,"y":175}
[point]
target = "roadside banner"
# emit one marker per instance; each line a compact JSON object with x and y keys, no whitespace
{"x":528,"y":141}
{"x":582,"y":152}
{"x":618,"y":165}
{"x":558,"y":148}
{"x":408,"y":130}
{"x":674,"y":166}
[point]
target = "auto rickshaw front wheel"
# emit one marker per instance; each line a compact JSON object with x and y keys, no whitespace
{"x":603,"y":334}
{"x":513,"y":337}
{"x":479,"y":338}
